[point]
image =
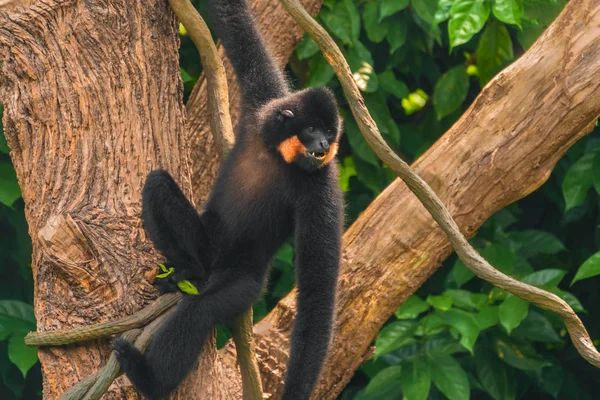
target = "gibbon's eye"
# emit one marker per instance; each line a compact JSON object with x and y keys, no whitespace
{"x":310,"y":129}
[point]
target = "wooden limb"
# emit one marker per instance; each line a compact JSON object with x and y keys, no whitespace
{"x":139,"y":319}
{"x":95,"y":385}
{"x":217,"y":93}
{"x":243,"y":338}
{"x":470,"y":257}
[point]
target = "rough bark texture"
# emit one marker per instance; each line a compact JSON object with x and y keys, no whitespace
{"x":282,"y":35}
{"x":93,"y":101}
{"x":502,"y":149}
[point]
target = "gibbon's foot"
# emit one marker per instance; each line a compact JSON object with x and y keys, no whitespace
{"x":127,"y":355}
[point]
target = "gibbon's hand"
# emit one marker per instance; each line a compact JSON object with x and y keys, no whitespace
{"x":169,"y":280}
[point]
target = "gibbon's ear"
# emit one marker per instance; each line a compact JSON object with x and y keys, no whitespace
{"x":291,"y":149}
{"x":283,"y":114}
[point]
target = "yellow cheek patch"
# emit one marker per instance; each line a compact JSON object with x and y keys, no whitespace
{"x":333,"y":149}
{"x":291,"y":149}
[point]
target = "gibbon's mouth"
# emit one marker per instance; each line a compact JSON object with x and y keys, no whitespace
{"x":319,"y":155}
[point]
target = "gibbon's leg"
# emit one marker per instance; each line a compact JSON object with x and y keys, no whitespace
{"x":173,"y":224}
{"x":318,"y":232}
{"x":175,"y":347}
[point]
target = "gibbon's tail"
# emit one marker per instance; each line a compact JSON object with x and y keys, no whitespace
{"x":172,"y":353}
{"x":258,"y":75}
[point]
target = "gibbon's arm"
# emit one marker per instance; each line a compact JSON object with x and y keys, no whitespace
{"x":318,"y":233}
{"x":173,"y":225}
{"x":256,"y":71}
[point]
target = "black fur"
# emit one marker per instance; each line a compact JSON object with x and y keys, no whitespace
{"x":259,"y":200}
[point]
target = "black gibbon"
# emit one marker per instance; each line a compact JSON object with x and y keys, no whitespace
{"x":278,"y":180}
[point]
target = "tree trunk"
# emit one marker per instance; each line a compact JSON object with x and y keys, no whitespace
{"x":93,"y":102}
{"x":503,"y":148}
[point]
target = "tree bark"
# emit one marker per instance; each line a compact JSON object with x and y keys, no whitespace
{"x":93,"y":102}
{"x":502,"y":149}
{"x":281,"y":35}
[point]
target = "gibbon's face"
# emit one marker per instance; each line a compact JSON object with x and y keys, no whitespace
{"x":312,"y":126}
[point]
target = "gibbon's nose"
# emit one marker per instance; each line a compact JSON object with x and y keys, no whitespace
{"x":325,"y":144}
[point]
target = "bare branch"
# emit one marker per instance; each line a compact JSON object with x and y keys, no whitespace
{"x":218,"y":97}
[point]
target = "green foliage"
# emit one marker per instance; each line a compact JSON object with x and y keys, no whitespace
{"x":20,"y":376}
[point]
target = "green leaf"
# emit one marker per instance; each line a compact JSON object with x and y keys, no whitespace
{"x":450,"y":378}
{"x":376,"y":30}
{"x":578,"y":180}
{"x":534,"y":242}
{"x":461,"y":274}
{"x":397,"y":33}
{"x":319,"y":71}
{"x":502,"y":257}
{"x":15,"y":316}
{"x":394,"y":336}
{"x":412,"y":307}
{"x":354,"y":16}
{"x":340,"y":22}
{"x":539,"y":14}
{"x":426,"y":10}
{"x":306,"y":48}
{"x":512,"y":311}
{"x":347,"y":170}
{"x":377,"y":105}
{"x":518,"y":354}
{"x":185,"y":76}
{"x":358,"y":143}
{"x":550,"y":277}
{"x":443,"y":10}
{"x":595,"y":171}
{"x":430,"y":325}
{"x":450,"y":91}
{"x":570,"y":299}
{"x":590,"y":267}
{"x":3,"y":146}
{"x":442,"y":344}
{"x":464,"y":323}
{"x":467,"y":300}
{"x":509,"y":11}
{"x":24,"y":357}
{"x":415,"y":380}
{"x":391,"y":7}
{"x":385,"y":379}
{"x":467,"y":17}
{"x":389,"y":83}
{"x":442,"y":302}
{"x":487,"y":317}
{"x":360,"y":61}
{"x":9,"y":187}
{"x":536,"y":328}
{"x":494,"y":376}
{"x":494,"y":51}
